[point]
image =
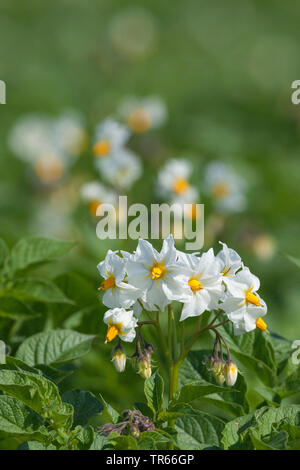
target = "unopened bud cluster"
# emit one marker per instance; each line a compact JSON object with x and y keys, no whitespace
{"x":142,"y":360}
{"x":223,"y":371}
{"x":133,"y":423}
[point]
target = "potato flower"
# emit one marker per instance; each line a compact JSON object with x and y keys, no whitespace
{"x":244,"y":307}
{"x":121,"y":169}
{"x":117,"y":291}
{"x":153,"y":272}
{"x":225,"y":187}
{"x":173,"y":182}
{"x":230,"y":262}
{"x":120,"y":323}
{"x":199,"y":284}
{"x":110,"y":137}
{"x":95,"y":193}
{"x":142,"y":114}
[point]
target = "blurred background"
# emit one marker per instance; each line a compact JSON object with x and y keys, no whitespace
{"x":222,"y":74}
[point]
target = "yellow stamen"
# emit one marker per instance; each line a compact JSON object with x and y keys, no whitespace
{"x":260,"y":324}
{"x":93,"y":206}
{"x":220,"y":190}
{"x":158,"y":271}
{"x":180,"y":185}
{"x":139,"y":120}
{"x":112,"y":332}
{"x":108,"y":283}
{"x":251,"y":298}
{"x":101,"y":148}
{"x":194,"y":284}
{"x":226,"y":271}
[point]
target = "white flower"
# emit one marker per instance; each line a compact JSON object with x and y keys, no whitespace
{"x":31,"y":137}
{"x":117,"y":292}
{"x":121,"y":169}
{"x":95,"y":194}
{"x":225,"y":186}
{"x":154,"y":272}
{"x":245,"y":307}
{"x":230,"y":263}
{"x":110,"y":136}
{"x":69,"y":133}
{"x":173,"y":182}
{"x":142,"y":114}
{"x":120,"y":323}
{"x":199,"y":286}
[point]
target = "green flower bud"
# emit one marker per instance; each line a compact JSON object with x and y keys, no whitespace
{"x":144,"y":367}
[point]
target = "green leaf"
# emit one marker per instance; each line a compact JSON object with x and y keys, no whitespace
{"x":40,"y":394}
{"x":35,"y":445}
{"x":54,"y":347}
{"x":15,"y":309}
{"x":113,"y":414}
{"x":277,"y":441}
{"x":233,"y":435}
{"x":82,"y":438}
{"x":85,"y":405}
{"x":13,"y":363}
{"x":149,"y":440}
{"x":154,"y":392}
{"x":98,"y":442}
{"x":17,"y":420}
{"x":52,"y":373}
{"x":40,"y":290}
{"x":122,"y":442}
{"x":198,"y":430}
{"x":194,"y":390}
{"x":31,"y":251}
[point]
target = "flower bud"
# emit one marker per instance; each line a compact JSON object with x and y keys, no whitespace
{"x":119,"y":359}
{"x":134,"y":360}
{"x":135,"y":432}
{"x":144,"y":367}
{"x":218,"y":371}
{"x":231,"y":373}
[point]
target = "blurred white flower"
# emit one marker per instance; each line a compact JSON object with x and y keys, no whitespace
{"x":243,"y":306}
{"x":121,"y":169}
{"x":142,"y":114}
{"x":199,"y":283}
{"x":31,"y":137}
{"x":110,"y":136}
{"x":132,"y":32}
{"x":264,"y":246}
{"x":96,"y":193}
{"x":154,"y":272}
{"x":69,"y":133}
{"x":225,"y":186}
{"x":120,"y":323}
{"x":173,"y":182}
{"x":117,"y":292}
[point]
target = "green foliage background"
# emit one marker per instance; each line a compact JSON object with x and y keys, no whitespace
{"x":224,"y":70}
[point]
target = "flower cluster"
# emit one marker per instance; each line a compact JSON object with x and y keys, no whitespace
{"x":117,"y":164}
{"x":150,"y":280}
{"x":49,"y":145}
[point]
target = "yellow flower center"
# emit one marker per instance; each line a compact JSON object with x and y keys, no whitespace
{"x":180,"y":185}
{"x":158,"y":271}
{"x":194,"y":284}
{"x":260,"y":324}
{"x":49,"y":169}
{"x":251,"y":298}
{"x":101,"y":148}
{"x":112,"y":332}
{"x":108,"y":283}
{"x":93,"y":206}
{"x":220,"y":190}
{"x":139,"y":120}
